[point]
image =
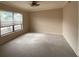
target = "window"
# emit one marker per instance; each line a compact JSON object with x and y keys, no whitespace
{"x":5,"y":30}
{"x":17,"y":21}
{"x":10,"y":22}
{"x":6,"y":22}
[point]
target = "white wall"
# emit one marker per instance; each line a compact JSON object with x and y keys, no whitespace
{"x":78,"y":29}
{"x":70,"y":29}
{"x":49,"y":21}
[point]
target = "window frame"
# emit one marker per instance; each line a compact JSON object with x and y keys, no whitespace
{"x":13,"y":29}
{"x":19,"y":24}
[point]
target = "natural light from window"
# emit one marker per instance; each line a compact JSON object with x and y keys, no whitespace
{"x":10,"y":22}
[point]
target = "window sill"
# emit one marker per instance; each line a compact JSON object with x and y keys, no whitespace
{"x":10,"y":33}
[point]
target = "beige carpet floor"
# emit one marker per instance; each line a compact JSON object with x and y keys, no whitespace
{"x":37,"y":45}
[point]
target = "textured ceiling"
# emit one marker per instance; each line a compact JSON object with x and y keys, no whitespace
{"x":44,"y":5}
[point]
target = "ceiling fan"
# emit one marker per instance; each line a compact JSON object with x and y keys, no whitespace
{"x":35,"y":3}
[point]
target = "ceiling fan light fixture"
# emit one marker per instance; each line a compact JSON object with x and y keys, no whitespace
{"x":35,"y":3}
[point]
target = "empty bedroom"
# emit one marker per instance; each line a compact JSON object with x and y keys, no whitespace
{"x":39,"y":29}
